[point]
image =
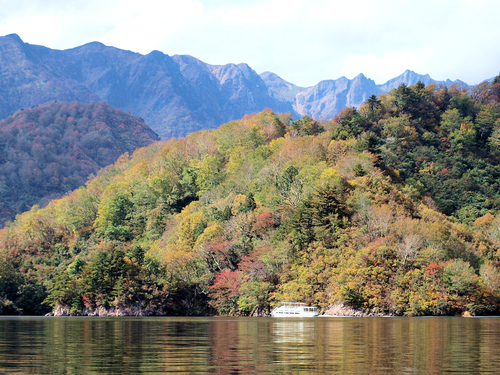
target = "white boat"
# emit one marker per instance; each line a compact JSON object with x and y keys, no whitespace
{"x":294,"y":310}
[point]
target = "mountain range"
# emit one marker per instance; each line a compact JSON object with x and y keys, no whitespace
{"x":175,"y":95}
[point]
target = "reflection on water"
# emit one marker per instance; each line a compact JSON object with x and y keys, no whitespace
{"x":249,"y":345}
{"x":289,"y":330}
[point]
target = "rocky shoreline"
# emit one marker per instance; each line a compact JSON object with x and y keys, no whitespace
{"x":112,"y":311}
{"x":333,"y":310}
{"x":340,"y":309}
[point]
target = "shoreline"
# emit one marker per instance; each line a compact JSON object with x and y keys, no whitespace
{"x":341,"y":310}
{"x":336,"y":310}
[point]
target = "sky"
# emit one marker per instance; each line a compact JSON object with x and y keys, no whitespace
{"x":302,"y":41}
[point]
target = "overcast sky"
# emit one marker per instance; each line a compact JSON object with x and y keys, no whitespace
{"x":303,"y":41}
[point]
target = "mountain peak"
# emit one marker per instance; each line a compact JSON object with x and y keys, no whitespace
{"x":15,"y":37}
{"x":95,"y":43}
{"x":156,"y":53}
{"x":360,"y":77}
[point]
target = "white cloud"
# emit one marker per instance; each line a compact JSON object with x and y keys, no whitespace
{"x":304,"y":41}
{"x":153,"y":24}
{"x":40,"y":29}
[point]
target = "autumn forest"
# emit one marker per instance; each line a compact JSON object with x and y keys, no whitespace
{"x":392,"y":208}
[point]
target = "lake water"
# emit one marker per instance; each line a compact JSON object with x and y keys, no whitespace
{"x":323,"y":345}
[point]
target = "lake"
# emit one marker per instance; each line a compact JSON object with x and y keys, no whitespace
{"x":323,"y":345}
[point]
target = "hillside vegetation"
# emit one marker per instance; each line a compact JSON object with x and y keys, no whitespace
{"x":53,"y":148}
{"x":391,"y":209}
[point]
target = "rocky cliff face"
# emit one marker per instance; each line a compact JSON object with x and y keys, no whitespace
{"x":175,"y":95}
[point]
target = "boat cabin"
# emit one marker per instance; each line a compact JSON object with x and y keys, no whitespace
{"x":294,"y":309}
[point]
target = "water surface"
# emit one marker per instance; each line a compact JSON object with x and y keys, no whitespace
{"x":323,"y":345}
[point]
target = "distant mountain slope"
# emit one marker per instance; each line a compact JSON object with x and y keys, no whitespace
{"x":410,"y":78}
{"x":27,"y":77}
{"x":327,"y":98}
{"x":175,"y":95}
{"x":48,"y":150}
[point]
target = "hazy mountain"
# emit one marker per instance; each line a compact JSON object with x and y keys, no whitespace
{"x":410,"y":78}
{"x":327,"y":98}
{"x":175,"y":95}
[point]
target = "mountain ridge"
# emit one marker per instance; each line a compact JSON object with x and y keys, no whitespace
{"x":325,"y":99}
{"x":175,"y":95}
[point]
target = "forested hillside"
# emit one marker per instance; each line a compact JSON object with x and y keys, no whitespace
{"x":53,"y":148}
{"x":391,"y":209}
